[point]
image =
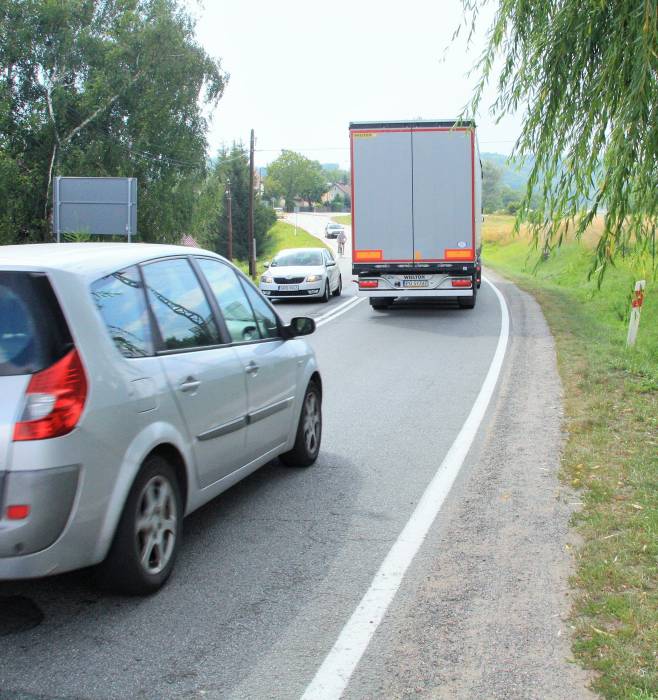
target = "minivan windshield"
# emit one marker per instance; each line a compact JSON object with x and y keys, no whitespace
{"x":33,"y":332}
{"x":298,"y":258}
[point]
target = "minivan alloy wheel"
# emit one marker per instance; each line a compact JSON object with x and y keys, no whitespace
{"x":312,"y":423}
{"x":156,"y":524}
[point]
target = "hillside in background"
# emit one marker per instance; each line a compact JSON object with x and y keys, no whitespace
{"x":515,"y":174}
{"x":503,"y":182}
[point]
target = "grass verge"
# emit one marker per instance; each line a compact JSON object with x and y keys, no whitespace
{"x":345,"y":219}
{"x":282,"y":235}
{"x":610,"y":457}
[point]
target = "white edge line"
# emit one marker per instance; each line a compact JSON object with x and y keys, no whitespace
{"x":334,"y":674}
{"x":338,"y":311}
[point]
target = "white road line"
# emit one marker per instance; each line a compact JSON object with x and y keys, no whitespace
{"x":334,"y":674}
{"x":338,"y":311}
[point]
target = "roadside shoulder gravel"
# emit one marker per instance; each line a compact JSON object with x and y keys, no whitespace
{"x":483,"y":610}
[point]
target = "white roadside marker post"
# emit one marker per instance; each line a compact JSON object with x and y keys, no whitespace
{"x":636,"y":308}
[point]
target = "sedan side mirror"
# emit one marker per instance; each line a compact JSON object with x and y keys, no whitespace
{"x":301,"y":325}
{"x":266,"y":264}
{"x":331,"y":263}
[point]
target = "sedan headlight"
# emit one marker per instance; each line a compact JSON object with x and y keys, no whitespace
{"x":314,"y":278}
{"x":267,"y":279}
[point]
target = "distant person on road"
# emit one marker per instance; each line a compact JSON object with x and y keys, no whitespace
{"x":341,"y":242}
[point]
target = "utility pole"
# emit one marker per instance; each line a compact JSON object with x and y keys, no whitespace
{"x":250,"y":224}
{"x":229,"y":242}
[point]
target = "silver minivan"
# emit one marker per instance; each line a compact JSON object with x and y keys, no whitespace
{"x":137,"y":382}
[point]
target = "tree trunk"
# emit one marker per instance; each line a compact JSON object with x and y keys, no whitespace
{"x":47,"y":211}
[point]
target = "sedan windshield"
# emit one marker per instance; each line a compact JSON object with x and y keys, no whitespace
{"x":298,"y":258}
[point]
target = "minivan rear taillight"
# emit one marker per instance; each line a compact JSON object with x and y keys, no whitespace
{"x":54,"y":400}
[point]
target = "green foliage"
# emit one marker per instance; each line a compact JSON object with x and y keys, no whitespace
{"x":338,"y":175}
{"x":611,"y":422}
{"x":340,"y":203}
{"x":211,"y":211}
{"x":491,"y":187}
{"x":586,"y":73}
{"x":282,"y":235}
{"x":292,"y":176}
{"x":346,"y":219}
{"x":102,"y":87}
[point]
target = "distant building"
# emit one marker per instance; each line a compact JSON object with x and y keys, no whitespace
{"x":337,"y":190}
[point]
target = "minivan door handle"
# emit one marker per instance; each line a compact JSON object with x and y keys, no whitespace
{"x":191,"y":384}
{"x":252,"y":368}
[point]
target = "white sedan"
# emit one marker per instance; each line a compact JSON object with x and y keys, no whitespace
{"x":302,"y":273}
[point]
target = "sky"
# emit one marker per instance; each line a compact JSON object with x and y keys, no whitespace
{"x":301,"y":71}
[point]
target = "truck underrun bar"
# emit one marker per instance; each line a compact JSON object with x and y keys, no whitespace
{"x":369,"y":269}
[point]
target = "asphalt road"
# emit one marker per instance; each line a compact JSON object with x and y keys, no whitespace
{"x":271,"y":571}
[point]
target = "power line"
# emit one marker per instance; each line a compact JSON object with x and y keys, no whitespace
{"x":315,"y":148}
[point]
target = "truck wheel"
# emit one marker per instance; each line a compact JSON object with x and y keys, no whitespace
{"x":381,"y":303}
{"x":469,"y":302}
{"x":309,"y":431}
{"x":148,"y":535}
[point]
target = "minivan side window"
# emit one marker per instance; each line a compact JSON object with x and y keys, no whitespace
{"x":179,"y":305}
{"x":265,"y":317}
{"x":119,"y":297}
{"x":231,"y":299}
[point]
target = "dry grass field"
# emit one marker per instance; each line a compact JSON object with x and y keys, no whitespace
{"x":497,"y":228}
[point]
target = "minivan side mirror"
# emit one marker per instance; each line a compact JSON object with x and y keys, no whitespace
{"x":300,"y":325}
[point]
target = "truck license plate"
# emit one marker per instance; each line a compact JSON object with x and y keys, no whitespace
{"x":288,"y":287}
{"x":415,"y":283}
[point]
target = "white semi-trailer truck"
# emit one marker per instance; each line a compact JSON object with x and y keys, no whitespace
{"x":416,"y":210}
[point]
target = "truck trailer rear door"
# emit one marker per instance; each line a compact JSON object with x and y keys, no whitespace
{"x":382,"y":195}
{"x":443,"y":198}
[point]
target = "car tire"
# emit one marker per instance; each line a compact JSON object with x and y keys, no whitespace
{"x":381,"y":303}
{"x":339,"y":289}
{"x":325,"y":296}
{"x":148,"y":535}
{"x":309,"y":431}
{"x":469,"y":302}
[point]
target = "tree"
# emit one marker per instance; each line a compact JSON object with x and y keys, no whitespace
{"x":337,"y":175}
{"x":292,"y":175}
{"x":491,"y":186}
{"x":211,"y":216}
{"x":103,"y":87}
{"x":587,"y":75}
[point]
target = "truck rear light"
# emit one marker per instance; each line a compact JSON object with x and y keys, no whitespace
{"x":461,"y":283}
{"x":367,"y":255}
{"x":54,"y":400}
{"x":17,"y":512}
{"x":368,"y":284}
{"x":458,"y":254}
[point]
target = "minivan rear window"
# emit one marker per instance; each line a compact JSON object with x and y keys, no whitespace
{"x":33,"y":331}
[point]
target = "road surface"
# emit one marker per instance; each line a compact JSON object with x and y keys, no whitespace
{"x":271,"y":572}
